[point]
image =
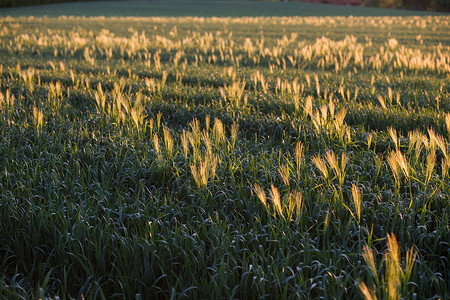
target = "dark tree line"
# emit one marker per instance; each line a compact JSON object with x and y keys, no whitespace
{"x":15,"y":3}
{"x":432,"y":5}
{"x":437,"y":5}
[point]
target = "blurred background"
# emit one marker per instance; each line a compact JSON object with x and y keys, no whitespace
{"x":429,"y":5}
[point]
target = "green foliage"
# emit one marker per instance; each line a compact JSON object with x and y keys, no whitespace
{"x":224,"y":157}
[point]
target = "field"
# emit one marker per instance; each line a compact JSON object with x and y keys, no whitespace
{"x":251,"y":157}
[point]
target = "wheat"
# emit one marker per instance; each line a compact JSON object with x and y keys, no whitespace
{"x":204,"y":170}
{"x":439,"y":141}
{"x":392,"y":161}
{"x":168,"y":141}
{"x":394,"y":137}
{"x":320,"y":164}
{"x":369,"y":140}
{"x":234,"y":132}
{"x":284,"y":172}
{"x":338,"y":168}
{"x":370,"y":261}
{"x":185,"y":143}
{"x":447,"y":123}
{"x":100,"y":98}
{"x":392,"y":258}
{"x":299,"y":203}
{"x":356,"y":196}
{"x":275,"y":197}
{"x":369,"y":294}
{"x":398,"y":164}
{"x":431,"y":162}
{"x":299,"y":153}
{"x":260,"y":193}
{"x":38,"y":118}
{"x":137,"y":112}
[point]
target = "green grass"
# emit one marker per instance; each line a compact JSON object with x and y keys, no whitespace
{"x":201,"y":9}
{"x":184,"y":158}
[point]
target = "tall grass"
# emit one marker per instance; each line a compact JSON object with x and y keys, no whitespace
{"x":224,"y":157}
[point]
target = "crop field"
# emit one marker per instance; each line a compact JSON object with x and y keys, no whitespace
{"x":212,"y":158}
